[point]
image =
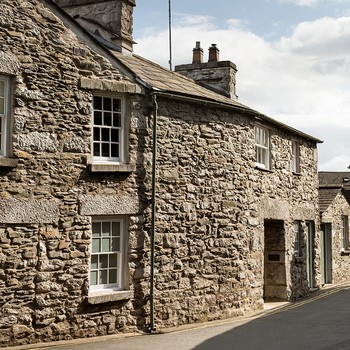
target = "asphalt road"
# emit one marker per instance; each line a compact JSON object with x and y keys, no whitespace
{"x":318,"y":323}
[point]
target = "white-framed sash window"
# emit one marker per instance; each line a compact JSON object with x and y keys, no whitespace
{"x":262,"y":147}
{"x":108,"y":252}
{"x":108,"y":140}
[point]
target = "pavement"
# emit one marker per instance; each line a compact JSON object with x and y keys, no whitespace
{"x":320,"y":321}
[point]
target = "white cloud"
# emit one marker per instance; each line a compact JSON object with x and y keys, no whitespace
{"x":302,"y":2}
{"x":301,"y":80}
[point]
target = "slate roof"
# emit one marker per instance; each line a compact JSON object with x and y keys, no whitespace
{"x":332,"y":178}
{"x":161,"y":79}
{"x":326,"y":197}
{"x":331,"y":184}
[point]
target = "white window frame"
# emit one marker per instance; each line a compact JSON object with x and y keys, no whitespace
{"x":295,"y":157}
{"x":344,"y":230}
{"x":262,"y":147}
{"x":5,"y":117}
{"x":120,"y":256}
{"x":120,"y":158}
{"x":297,"y":238}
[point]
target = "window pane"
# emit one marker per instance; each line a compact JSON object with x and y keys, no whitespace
{"x":93,"y":278}
{"x":106,"y":228}
{"x":105,"y":245}
{"x":107,"y":121}
{"x":115,"y":244}
{"x":107,"y":103}
{"x":115,"y":228}
{"x":113,"y":276}
{"x":96,"y":228}
{"x":105,"y":150}
{"x":103,"y":261}
{"x":105,"y":134}
{"x":115,"y":150}
{"x":117,"y":120}
{"x":115,"y":135}
{"x":94,"y":261}
{"x":116,"y":105}
{"x":97,"y":136}
{"x":98,"y":102}
{"x":113,"y":260}
{"x":103,"y":277}
{"x":95,"y":245}
{"x":2,"y":106}
{"x":98,"y":118}
{"x":97,"y":150}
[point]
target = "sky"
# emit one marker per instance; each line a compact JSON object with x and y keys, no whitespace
{"x":292,"y":56}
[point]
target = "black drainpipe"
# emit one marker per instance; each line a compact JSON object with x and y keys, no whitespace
{"x":154,"y":169}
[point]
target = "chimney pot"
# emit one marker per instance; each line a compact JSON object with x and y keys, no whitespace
{"x":213,"y":53}
{"x":197,"y":53}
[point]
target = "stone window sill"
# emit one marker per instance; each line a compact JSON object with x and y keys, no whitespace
{"x":8,"y":162}
{"x":108,"y":296}
{"x":296,"y":173}
{"x":111,"y":168}
{"x":258,"y":167}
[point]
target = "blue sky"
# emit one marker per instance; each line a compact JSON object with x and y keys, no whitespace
{"x":293,"y":57}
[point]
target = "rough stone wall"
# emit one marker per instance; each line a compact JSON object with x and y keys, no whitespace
{"x":212,"y":203}
{"x":44,"y":238}
{"x":340,"y":261}
{"x":211,"y":200}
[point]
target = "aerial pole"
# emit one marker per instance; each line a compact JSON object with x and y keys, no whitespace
{"x":170,"y":40}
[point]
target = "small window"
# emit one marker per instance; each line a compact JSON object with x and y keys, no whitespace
{"x":108,"y":129}
{"x":4,"y":115}
{"x":297,"y":238}
{"x":107,"y":254}
{"x":344,"y":229}
{"x":295,"y":157}
{"x":262,"y":147}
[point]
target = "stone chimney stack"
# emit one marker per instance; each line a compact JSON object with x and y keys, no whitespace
{"x":216,"y":75}
{"x":197,"y":53}
{"x":213,"y":53}
{"x":109,"y":21}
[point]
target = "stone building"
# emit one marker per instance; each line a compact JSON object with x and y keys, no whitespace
{"x":334,"y":202}
{"x":235,"y":198}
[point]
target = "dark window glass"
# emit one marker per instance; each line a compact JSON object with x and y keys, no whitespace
{"x":105,"y":150}
{"x":98,"y":102}
{"x":108,"y":119}
{"x":97,"y":152}
{"x":107,"y":104}
{"x":98,"y":118}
